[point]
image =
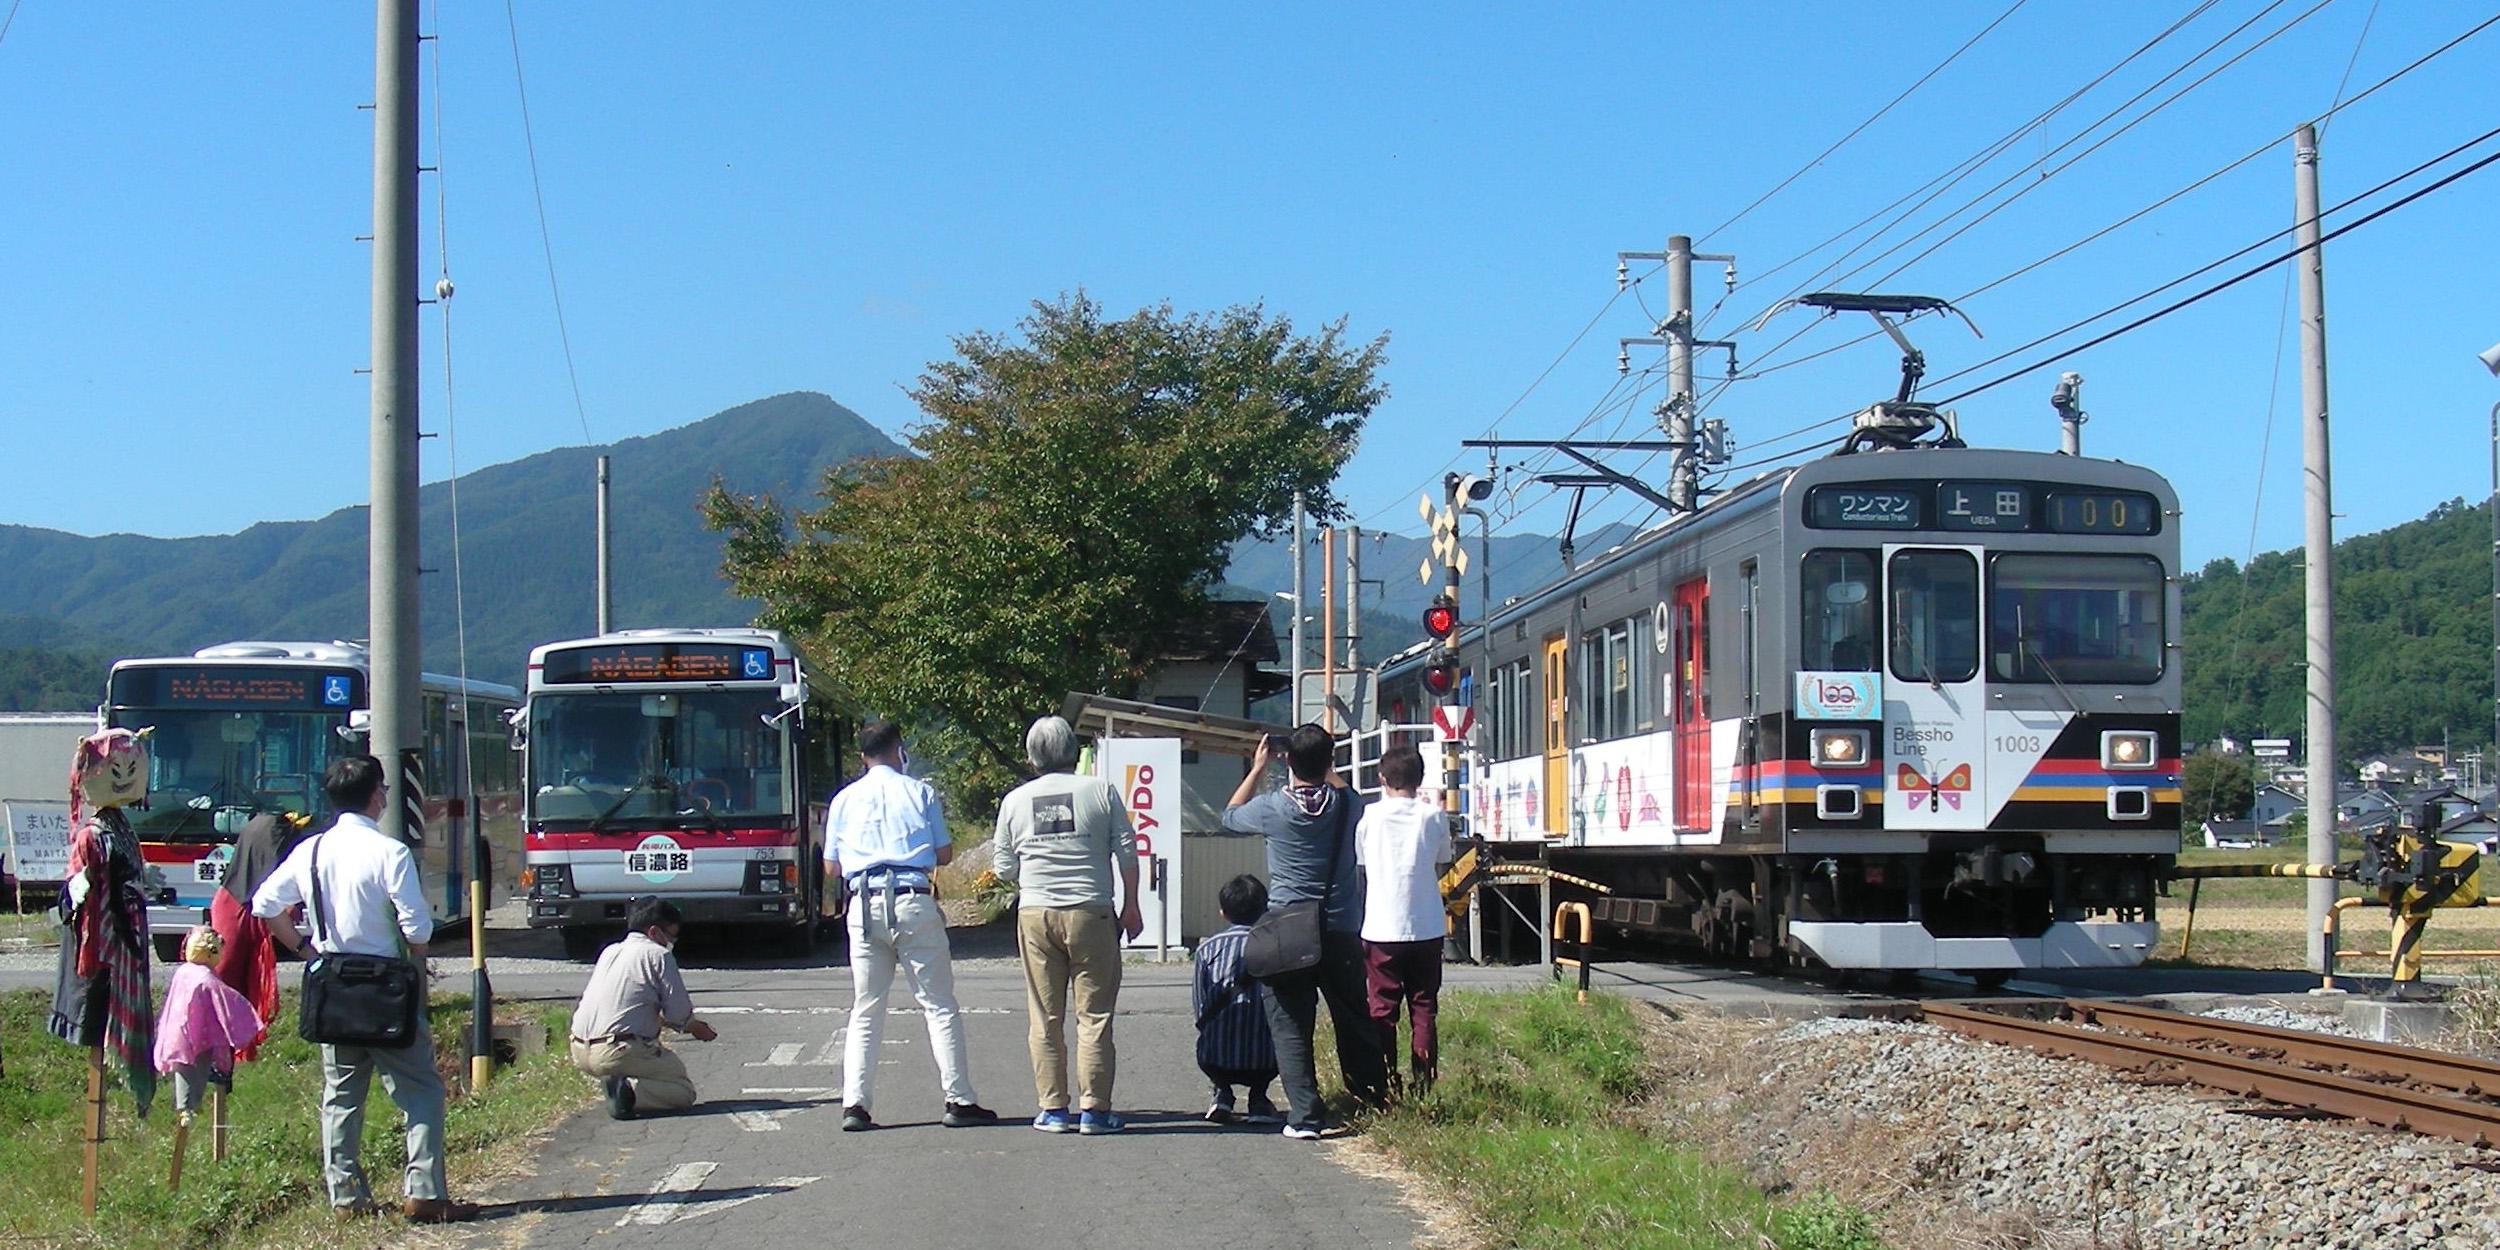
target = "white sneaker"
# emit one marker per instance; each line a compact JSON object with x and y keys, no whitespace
{"x":1302,"y":1132}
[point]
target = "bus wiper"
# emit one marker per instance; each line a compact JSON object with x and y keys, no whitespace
{"x":599,"y":823}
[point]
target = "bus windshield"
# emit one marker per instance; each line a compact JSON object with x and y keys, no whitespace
{"x":683,"y":757}
{"x":2075,"y":618}
{"x":211,"y":771}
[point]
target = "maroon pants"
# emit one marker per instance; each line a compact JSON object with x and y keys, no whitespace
{"x":1410,"y":971}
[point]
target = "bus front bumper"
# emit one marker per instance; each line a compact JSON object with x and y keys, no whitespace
{"x":759,"y":909}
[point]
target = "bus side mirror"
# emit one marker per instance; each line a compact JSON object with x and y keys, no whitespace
{"x":517,"y":725}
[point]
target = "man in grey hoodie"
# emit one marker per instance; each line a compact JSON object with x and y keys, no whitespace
{"x":1309,"y":825}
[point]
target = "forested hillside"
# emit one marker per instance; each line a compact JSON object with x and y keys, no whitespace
{"x":2413,"y":642}
{"x":525,"y":538}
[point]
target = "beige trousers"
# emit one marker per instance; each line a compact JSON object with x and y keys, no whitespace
{"x":659,"y":1076}
{"x":1065,"y":948}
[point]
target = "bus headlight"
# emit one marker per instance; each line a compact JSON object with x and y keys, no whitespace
{"x":2129,"y":749}
{"x":1839,"y":748}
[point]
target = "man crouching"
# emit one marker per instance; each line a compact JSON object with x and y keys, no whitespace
{"x":634,"y":991}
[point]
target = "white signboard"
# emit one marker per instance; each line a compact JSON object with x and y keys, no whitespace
{"x":1840,"y":696}
{"x":1148,"y":774}
{"x":38,"y":841}
{"x":2271,"y":748}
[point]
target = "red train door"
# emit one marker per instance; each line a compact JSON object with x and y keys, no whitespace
{"x":1690,"y":651}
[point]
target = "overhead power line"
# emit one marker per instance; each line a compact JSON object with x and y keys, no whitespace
{"x":1860,"y":128}
{"x":2226,"y":283}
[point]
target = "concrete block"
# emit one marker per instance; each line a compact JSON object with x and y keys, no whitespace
{"x":2404,"y":1023}
{"x":516,"y":1040}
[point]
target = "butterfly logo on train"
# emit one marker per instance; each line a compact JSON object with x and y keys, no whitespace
{"x":1945,"y":791}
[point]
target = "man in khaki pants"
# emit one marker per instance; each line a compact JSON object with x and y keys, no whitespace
{"x":1058,"y":836}
{"x":634,"y":991}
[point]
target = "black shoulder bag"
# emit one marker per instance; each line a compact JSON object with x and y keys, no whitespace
{"x":1287,"y":938}
{"x":356,"y":1000}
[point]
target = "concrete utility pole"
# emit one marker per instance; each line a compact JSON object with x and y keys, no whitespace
{"x":607,"y":589}
{"x":1683,"y":481}
{"x":1301,"y":518}
{"x":2491,"y":361}
{"x":391,"y":567}
{"x":1328,"y":627}
{"x":2318,"y":511}
{"x":1354,"y":603}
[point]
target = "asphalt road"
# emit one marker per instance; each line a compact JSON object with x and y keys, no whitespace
{"x":760,"y":1161}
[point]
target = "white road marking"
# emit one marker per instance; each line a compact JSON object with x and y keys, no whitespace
{"x":674,"y":1198}
{"x":831,"y":1054}
{"x":783,"y":1056}
{"x":789,"y":1089}
{"x":669,"y":1195}
{"x":761,"y":1121}
{"x":714,"y":1206}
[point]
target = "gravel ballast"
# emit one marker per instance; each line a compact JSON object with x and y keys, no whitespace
{"x":2021,"y":1149}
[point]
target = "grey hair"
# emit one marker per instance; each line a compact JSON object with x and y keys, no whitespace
{"x":1051,"y":744}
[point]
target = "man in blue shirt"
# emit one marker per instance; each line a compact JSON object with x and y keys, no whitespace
{"x":883,"y":833}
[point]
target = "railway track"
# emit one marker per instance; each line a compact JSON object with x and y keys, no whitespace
{"x":2397,"y":1087}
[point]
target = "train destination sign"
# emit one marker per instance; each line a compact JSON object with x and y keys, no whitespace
{"x":1864,"y":508}
{"x":1981,"y":506}
{"x":634,"y":662}
{"x":238,"y":687}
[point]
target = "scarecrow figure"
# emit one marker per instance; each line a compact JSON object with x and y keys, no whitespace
{"x":101,"y":999}
{"x":205,"y":1024}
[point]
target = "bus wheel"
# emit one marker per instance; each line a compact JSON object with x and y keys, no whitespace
{"x":582,"y":942}
{"x":168,"y":948}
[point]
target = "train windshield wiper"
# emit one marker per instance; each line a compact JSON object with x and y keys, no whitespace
{"x":2023,"y":642}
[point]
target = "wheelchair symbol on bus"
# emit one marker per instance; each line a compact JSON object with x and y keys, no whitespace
{"x":334,"y":691}
{"x":758,"y":664}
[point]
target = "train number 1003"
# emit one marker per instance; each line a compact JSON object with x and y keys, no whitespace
{"x":2018,"y":744}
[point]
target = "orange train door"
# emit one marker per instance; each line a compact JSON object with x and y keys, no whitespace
{"x":1690,"y":651}
{"x":1556,"y":814}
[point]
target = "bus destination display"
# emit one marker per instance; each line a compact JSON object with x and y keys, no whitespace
{"x":633,"y":662}
{"x":239,"y":688}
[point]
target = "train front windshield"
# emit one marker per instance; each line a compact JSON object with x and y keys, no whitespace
{"x":212,"y":771}
{"x":681,"y":757}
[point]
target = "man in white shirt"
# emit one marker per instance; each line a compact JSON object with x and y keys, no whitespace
{"x":374,"y":905}
{"x":883,"y":833}
{"x":1403,"y":846}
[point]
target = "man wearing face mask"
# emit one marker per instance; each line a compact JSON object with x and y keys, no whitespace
{"x":634,"y":992}
{"x":884,"y":832}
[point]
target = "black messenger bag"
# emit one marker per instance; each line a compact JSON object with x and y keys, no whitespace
{"x":1287,"y":938}
{"x":356,"y":1000}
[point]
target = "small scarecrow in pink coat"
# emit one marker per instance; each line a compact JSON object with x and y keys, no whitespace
{"x":204,"y":1023}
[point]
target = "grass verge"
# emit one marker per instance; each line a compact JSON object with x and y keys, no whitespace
{"x":1541,"y":1126}
{"x":22,"y":929}
{"x":268,"y":1192}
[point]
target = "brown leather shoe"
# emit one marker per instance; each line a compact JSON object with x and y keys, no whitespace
{"x":439,"y":1211}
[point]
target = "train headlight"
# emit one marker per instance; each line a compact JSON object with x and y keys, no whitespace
{"x":2129,"y":749}
{"x":1839,"y":748}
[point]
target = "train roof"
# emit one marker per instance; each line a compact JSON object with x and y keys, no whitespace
{"x":1768,"y":488}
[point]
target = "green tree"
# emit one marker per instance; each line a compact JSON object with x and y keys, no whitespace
{"x":1077,"y":487}
{"x":2216,"y":785}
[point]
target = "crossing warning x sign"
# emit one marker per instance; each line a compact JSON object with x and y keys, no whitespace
{"x":1453,"y":722}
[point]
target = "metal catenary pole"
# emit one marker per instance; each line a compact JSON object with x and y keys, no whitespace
{"x":607,"y":588}
{"x":1356,"y":708}
{"x":392,"y":564}
{"x":1683,"y":479}
{"x":2318,"y":504}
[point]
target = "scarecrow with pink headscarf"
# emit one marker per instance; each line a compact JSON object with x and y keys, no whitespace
{"x":102,"y":1000}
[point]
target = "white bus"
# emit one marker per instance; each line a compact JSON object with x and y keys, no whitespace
{"x":244,"y":728}
{"x":676,"y":762}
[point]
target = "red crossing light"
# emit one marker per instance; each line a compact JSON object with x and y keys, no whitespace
{"x":1441,"y":619}
{"x":1441,"y":676}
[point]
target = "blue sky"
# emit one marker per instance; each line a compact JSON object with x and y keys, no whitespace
{"x":746,"y":199}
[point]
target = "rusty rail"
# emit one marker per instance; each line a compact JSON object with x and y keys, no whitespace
{"x":2475,"y":1078}
{"x":2439,"y":1115}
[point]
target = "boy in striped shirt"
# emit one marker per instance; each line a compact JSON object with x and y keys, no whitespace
{"x":1233,"y":1045}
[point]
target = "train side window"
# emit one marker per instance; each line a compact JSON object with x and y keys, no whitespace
{"x":1934,"y":616}
{"x":1838,"y":612}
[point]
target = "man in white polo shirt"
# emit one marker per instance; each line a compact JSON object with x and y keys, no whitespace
{"x":376,"y":906}
{"x":883,"y":833}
